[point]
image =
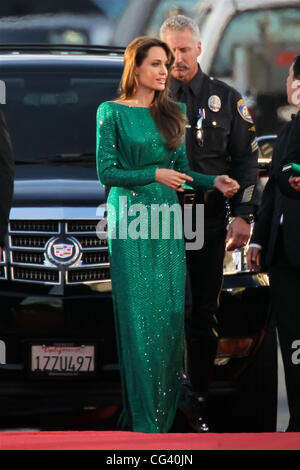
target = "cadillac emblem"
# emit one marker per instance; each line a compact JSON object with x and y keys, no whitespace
{"x":63,"y":250}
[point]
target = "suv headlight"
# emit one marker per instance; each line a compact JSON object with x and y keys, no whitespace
{"x":235,"y":261}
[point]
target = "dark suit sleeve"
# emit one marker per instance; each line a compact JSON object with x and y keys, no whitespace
{"x":243,"y":150}
{"x":262,"y":226}
{"x":292,"y":155}
{"x":6,"y":178}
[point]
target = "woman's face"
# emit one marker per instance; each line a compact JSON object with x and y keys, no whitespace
{"x":153,"y":72}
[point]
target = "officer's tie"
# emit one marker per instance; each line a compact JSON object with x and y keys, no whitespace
{"x":184,"y":95}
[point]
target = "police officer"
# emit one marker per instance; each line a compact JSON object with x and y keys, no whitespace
{"x":220,"y":139}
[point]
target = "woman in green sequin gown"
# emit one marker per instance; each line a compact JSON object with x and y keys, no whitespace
{"x":147,"y":272}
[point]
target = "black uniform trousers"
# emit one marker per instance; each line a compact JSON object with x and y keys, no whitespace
{"x":204,"y":283}
{"x":285,"y":299}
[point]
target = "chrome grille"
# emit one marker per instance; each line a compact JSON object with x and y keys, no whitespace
{"x":80,"y":226}
{"x":3,"y":268}
{"x":48,"y":226}
{"x":28,"y":241}
{"x":36,"y":275}
{"x":2,"y":272}
{"x":91,"y":241}
{"x":28,"y":257}
{"x":31,"y":240}
{"x":95,"y":257}
{"x":84,"y":275}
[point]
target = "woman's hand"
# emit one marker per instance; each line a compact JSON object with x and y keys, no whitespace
{"x":226,"y":185}
{"x":172,"y":178}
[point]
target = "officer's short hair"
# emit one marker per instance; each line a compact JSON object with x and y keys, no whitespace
{"x":179,"y":23}
{"x":296,"y":66}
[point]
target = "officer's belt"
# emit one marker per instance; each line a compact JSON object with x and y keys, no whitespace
{"x":214,"y":202}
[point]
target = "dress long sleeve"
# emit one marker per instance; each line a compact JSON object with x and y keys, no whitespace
{"x":109,"y":168}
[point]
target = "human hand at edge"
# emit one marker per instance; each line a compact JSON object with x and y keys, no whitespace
{"x":226,"y":185}
{"x":295,"y":182}
{"x":253,"y":258}
{"x":238,"y":234}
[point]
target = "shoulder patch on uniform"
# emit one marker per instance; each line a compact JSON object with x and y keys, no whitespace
{"x":243,"y":111}
{"x":254,"y":145}
{"x":247,"y":194}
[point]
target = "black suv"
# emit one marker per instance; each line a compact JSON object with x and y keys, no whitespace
{"x":57,"y":341}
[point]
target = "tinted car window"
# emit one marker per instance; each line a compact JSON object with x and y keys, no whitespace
{"x":112,"y":8}
{"x":62,"y":106}
{"x":281,"y":25}
{"x":29,"y":7}
{"x":166,"y":8}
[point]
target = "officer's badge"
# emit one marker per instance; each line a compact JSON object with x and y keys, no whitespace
{"x":214,"y":103}
{"x":243,"y":111}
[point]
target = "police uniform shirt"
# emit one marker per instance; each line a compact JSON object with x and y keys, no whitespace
{"x":229,"y":139}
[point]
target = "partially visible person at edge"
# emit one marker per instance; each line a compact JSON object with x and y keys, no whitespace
{"x":220,"y":139}
{"x":275,"y":242}
{"x":290,"y":183}
{"x":6,"y":180}
{"x":141,"y":156}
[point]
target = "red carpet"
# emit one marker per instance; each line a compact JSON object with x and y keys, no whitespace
{"x":113,"y":440}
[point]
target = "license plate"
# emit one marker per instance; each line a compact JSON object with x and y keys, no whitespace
{"x":62,"y":359}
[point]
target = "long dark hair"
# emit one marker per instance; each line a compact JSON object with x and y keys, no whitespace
{"x":167,"y":115}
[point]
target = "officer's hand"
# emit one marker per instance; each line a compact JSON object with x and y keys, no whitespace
{"x":172,"y":178}
{"x":238,"y":234}
{"x":253,"y":258}
{"x":295,"y":182}
{"x":226,"y":185}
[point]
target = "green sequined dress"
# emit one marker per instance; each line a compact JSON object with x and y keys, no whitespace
{"x":147,"y":269}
